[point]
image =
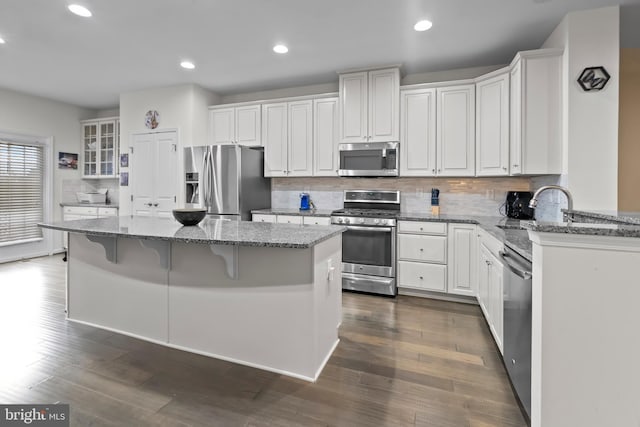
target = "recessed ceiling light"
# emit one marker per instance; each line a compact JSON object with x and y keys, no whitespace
{"x":80,"y":10}
{"x":2,"y":40}
{"x":280,"y":48}
{"x":188,"y":65}
{"x":423,"y":25}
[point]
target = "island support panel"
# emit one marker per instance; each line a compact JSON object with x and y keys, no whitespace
{"x":281,"y":313}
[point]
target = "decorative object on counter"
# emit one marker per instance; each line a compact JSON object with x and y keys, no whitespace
{"x":435,"y":201}
{"x":67,"y":160}
{"x":124,"y":179}
{"x":152,"y":119}
{"x":305,"y":202}
{"x":124,"y":160}
{"x":593,"y":78}
{"x":188,"y":216}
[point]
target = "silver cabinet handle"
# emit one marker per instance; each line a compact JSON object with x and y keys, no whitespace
{"x":515,"y":166}
{"x":504,"y":168}
{"x":421,"y":278}
{"x":421,"y":250}
{"x":155,"y":205}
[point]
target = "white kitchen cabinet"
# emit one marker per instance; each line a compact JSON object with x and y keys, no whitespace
{"x":263,"y":218}
{"x":289,"y":219}
{"x":287,"y":133}
{"x":325,"y":137}
{"x":422,"y":255}
{"x":490,"y":286}
{"x":418,"y":132}
{"x":536,"y":113}
{"x":292,"y":219}
{"x":70,"y":213}
{"x":462,"y":256}
{"x":316,"y":220}
{"x":236,"y":125}
{"x":153,"y":177}
{"x":100,"y":148}
{"x":369,"y":106}
{"x":455,"y":136}
{"x":492,"y":125}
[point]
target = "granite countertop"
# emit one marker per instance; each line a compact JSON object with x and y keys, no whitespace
{"x":584,"y":228}
{"x":617,"y":217}
{"x":288,"y":211}
{"x":209,"y":231}
{"x":90,"y":205}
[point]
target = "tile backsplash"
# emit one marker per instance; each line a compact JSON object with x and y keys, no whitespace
{"x":475,"y":196}
{"x":70,"y":187}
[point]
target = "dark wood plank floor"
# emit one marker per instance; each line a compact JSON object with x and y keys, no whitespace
{"x":400,"y":362}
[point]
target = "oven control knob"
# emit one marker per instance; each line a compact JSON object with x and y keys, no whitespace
{"x":346,"y":221}
{"x":339,"y":220}
{"x":361,"y":221}
{"x":376,"y":221}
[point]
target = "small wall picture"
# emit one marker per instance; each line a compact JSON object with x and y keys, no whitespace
{"x":124,"y":160}
{"x":124,"y":179}
{"x":67,"y":160}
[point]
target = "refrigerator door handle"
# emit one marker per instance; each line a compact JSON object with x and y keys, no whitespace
{"x":206,"y":180}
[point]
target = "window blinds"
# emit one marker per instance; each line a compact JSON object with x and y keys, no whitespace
{"x":21,"y":191}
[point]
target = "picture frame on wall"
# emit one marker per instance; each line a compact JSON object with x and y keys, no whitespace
{"x":67,"y":160}
{"x":124,"y":160}
{"x":124,"y":179}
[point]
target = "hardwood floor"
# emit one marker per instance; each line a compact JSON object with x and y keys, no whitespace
{"x":400,"y":362}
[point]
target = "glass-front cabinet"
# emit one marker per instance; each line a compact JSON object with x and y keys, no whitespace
{"x":100,"y":148}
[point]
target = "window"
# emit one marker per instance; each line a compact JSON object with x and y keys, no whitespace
{"x":21,"y":192}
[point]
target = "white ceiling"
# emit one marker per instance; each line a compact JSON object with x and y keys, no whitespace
{"x":130,"y":45}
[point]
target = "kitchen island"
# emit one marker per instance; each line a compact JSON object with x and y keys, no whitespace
{"x":259,"y":294}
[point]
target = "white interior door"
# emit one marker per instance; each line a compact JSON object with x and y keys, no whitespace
{"x":142,"y":171}
{"x":166,"y":173}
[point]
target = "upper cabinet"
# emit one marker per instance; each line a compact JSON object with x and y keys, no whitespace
{"x":236,"y":125}
{"x":369,"y":106}
{"x":100,"y":148}
{"x":492,"y":125}
{"x":536,"y":112}
{"x":455,"y":137}
{"x":325,"y":137}
{"x":287,"y":129}
{"x":438,"y":131}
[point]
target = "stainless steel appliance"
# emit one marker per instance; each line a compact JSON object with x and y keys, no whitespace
{"x":369,"y":244}
{"x":517,"y":205}
{"x":227,"y":180}
{"x":369,"y":159}
{"x":517,"y":324}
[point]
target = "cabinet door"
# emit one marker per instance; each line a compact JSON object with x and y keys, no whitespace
{"x":422,"y":248}
{"x":300,"y":146}
{"x":325,"y":137}
{"x":222,"y":124}
{"x":418,"y":132}
{"x":90,"y":149}
{"x":384,"y":98}
{"x":353,"y":107}
{"x":263,"y":218}
{"x":492,"y":126}
{"x":107,"y":154}
{"x":483,"y":281}
{"x":515,"y":146}
{"x":289,"y":219}
{"x":456,"y":131}
{"x":432,"y":277}
{"x":496,"y":289}
{"x":142,"y":178}
{"x":316,"y":220}
{"x":462,"y":246}
{"x":247,"y":130}
{"x":274,"y":137}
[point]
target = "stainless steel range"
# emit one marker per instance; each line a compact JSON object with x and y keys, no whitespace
{"x":369,"y":244}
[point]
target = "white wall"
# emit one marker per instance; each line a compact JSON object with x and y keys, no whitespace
{"x":590,"y":119}
{"x":32,"y":115}
{"x":181,"y":107}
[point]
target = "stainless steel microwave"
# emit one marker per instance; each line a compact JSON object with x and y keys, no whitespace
{"x":369,"y":159}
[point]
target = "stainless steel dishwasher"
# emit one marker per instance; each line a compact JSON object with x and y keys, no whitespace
{"x":517,"y":324}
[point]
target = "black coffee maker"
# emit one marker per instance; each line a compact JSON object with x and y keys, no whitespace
{"x":517,"y":205}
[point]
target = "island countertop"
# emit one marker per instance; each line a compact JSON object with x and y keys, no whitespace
{"x":209,"y":231}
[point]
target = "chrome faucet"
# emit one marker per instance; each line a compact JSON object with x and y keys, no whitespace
{"x":534,"y":200}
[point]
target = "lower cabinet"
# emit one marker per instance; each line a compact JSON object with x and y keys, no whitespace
{"x":490,"y":289}
{"x":422,"y":255}
{"x":292,"y":219}
{"x":70,"y":213}
{"x":463,"y":255}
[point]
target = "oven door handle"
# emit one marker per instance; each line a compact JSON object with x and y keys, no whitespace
{"x":378,"y":229}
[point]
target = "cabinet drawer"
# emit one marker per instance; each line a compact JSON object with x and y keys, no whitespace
{"x":80,"y":210}
{"x":422,"y":248}
{"x":263,"y":218}
{"x":316,"y":220}
{"x":419,"y":275}
{"x":417,"y":227}
{"x":289,"y":219}
{"x":107,"y":212}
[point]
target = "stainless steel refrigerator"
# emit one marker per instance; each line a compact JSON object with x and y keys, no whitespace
{"x":227,"y":180}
